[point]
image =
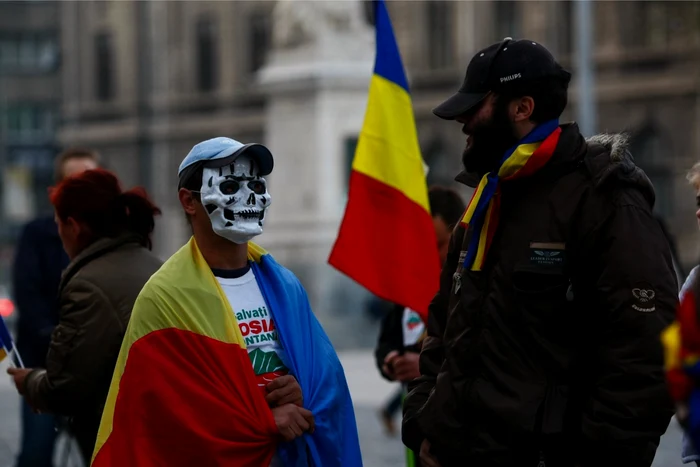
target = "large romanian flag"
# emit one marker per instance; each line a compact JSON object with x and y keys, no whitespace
{"x":387,"y":240}
{"x":184,"y":392}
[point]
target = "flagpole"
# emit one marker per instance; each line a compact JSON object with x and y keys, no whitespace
{"x":584,"y":38}
{"x":19,"y":358}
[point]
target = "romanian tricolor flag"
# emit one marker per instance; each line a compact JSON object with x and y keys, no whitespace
{"x":387,"y":240}
{"x":681,"y":341}
{"x":7,"y":345}
{"x":184,"y":391}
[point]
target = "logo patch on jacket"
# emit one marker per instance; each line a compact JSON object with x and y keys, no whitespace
{"x":644,"y":298}
{"x":547,"y":254}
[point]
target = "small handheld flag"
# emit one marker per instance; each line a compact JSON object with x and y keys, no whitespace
{"x":7,"y":345}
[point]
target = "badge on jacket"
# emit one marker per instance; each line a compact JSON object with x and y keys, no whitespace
{"x":457,"y":276}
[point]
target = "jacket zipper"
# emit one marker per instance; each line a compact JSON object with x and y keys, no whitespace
{"x":539,"y":420}
{"x":479,"y":325}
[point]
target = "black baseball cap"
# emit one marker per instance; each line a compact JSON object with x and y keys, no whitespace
{"x":498,"y":66}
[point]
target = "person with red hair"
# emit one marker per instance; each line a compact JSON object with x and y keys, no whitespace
{"x":106,"y":233}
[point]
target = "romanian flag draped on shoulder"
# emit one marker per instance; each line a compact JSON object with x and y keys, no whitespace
{"x":184,"y":391}
{"x":387,"y":240}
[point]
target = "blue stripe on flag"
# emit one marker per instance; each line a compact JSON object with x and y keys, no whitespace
{"x":5,"y":337}
{"x":388,"y":60}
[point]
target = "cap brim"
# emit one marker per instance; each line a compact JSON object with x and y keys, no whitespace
{"x":262,"y":155}
{"x":459,"y":104}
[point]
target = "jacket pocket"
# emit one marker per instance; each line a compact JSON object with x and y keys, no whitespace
{"x":545,"y":307}
{"x":62,"y":342}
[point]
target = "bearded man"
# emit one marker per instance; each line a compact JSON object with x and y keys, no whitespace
{"x":224,"y":363}
{"x":543,"y":341}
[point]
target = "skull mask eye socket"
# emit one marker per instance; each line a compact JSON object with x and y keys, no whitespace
{"x":257,"y":187}
{"x":229,"y":187}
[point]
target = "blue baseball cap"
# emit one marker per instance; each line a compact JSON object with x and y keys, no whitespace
{"x":221,"y":151}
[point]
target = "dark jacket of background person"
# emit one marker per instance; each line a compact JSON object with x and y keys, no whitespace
{"x":107,"y":234}
{"x":391,"y":338}
{"x":539,"y":356}
{"x":38,"y":264}
{"x":97,"y":294}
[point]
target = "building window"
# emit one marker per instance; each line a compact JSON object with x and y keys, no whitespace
{"x":507,"y":19}
{"x":440,"y":171}
{"x":26,"y":121}
{"x":646,"y":24}
{"x":651,"y":153}
{"x":206,"y":55}
{"x":104,"y":67}
{"x":564,"y":28}
{"x":439,"y":35}
{"x":656,"y":20}
{"x":28,"y":52}
{"x":260,"y":37}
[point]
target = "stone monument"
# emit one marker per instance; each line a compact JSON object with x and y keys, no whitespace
{"x":316,"y":79}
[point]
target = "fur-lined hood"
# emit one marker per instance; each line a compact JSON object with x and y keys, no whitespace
{"x":614,"y":164}
{"x":606,"y":155}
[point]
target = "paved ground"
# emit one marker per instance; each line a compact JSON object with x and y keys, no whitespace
{"x":368,"y":391}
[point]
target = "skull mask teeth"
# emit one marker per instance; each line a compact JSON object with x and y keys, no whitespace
{"x":236,"y":199}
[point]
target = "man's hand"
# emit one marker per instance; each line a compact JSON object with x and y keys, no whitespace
{"x":427,"y":459}
{"x":284,"y":390}
{"x":387,"y":367}
{"x":19,"y":375}
{"x":292,"y":421}
{"x":406,"y":366}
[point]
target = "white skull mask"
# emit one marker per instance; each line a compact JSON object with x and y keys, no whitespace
{"x":236,"y":198}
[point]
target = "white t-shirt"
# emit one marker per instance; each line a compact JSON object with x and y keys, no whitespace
{"x":257,"y":328}
{"x":256,"y":325}
{"x":413,"y":327}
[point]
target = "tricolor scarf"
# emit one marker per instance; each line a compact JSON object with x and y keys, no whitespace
{"x":184,"y":391}
{"x":522,"y":160}
{"x":681,"y":342}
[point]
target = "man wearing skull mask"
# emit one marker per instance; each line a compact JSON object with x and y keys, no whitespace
{"x":261,"y":383}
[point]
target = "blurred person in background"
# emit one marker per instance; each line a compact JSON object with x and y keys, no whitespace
{"x":543,"y":342}
{"x":106,"y":233}
{"x":679,"y":381}
{"x":38,"y":264}
{"x":402,"y":329}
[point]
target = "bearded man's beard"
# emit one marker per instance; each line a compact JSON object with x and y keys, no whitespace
{"x":489,"y":142}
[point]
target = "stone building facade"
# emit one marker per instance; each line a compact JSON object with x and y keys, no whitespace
{"x":144,"y":81}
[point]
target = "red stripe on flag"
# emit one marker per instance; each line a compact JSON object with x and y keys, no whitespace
{"x":188,"y":399}
{"x":687,"y":317}
{"x":462,"y":221}
{"x":387,"y":244}
{"x":540,"y":157}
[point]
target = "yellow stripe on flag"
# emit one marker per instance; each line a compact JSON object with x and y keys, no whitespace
{"x":671,"y":340}
{"x":469,"y":213}
{"x":388,"y":149}
{"x":518,"y":159}
{"x":478,"y":261}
